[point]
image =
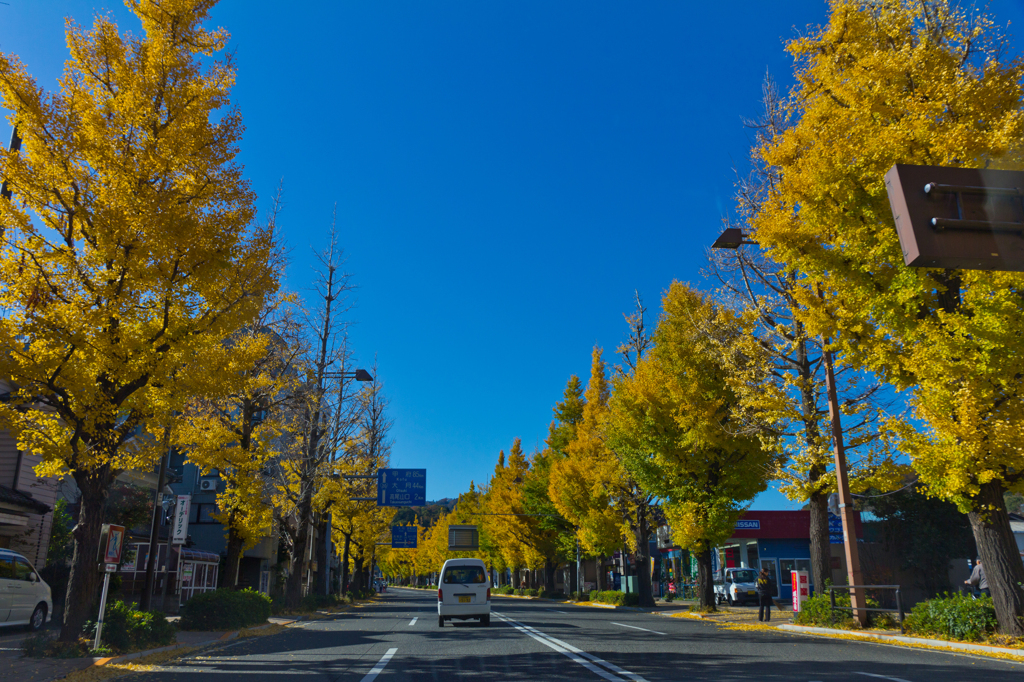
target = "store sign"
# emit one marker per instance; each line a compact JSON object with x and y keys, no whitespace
{"x":748,"y":524}
{"x":179,"y":531}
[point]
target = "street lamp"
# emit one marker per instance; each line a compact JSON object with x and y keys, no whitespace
{"x":358,"y":375}
{"x":732,"y":238}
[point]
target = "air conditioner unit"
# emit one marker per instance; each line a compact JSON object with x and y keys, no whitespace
{"x":208,"y":485}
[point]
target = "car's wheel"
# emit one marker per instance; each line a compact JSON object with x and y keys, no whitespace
{"x":38,"y":618}
{"x":440,"y":621}
{"x":730,"y":601}
{"x":485,"y":620}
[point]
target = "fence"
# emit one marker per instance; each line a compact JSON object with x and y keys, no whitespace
{"x":899,"y":601}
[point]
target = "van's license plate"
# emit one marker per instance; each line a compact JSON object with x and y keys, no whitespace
{"x":751,"y":592}
{"x":464,"y":600}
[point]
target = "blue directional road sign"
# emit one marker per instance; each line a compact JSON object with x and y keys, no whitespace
{"x":403,"y":537}
{"x":401,"y":487}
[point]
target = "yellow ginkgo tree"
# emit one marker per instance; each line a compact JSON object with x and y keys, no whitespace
{"x":128,"y":252}
{"x":672,"y":421}
{"x":927,"y":83}
{"x":238,"y":435}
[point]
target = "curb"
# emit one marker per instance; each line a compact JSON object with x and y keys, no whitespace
{"x":903,"y":639}
{"x":226,"y":637}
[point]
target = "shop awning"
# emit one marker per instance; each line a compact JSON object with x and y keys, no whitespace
{"x":199,"y":555}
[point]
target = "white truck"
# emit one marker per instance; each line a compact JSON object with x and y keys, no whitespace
{"x":738,"y":585}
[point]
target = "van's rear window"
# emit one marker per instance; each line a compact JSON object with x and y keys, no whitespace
{"x":464,"y":575}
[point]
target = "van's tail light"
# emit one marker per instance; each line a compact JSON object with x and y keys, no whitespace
{"x":488,"y":594}
{"x":440,"y":597}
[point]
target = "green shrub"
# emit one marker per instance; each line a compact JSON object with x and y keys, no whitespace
{"x":818,"y":611}
{"x":125,"y":628}
{"x":954,"y":616}
{"x":669,"y":597}
{"x":504,"y":589}
{"x":531,"y":592}
{"x":615,"y":598}
{"x":312,"y":602}
{"x":580,"y":596}
{"x":225,"y":610}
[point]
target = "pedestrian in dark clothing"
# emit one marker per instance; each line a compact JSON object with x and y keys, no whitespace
{"x":764,"y":595}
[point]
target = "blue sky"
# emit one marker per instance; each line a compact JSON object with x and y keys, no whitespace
{"x":505,"y":175}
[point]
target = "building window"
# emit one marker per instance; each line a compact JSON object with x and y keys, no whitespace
{"x":204,"y":513}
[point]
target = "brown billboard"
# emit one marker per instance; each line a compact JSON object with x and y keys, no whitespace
{"x":967,"y":218}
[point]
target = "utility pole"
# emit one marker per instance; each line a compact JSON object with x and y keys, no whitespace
{"x":858,"y":598}
{"x":147,"y":589}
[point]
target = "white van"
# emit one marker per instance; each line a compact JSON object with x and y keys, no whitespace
{"x":464,"y":592}
{"x":24,"y":598}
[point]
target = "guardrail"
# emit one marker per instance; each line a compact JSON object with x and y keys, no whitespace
{"x":899,"y":601}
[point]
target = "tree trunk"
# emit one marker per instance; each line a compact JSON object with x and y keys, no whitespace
{"x":549,"y":575}
{"x":323,"y":569}
{"x":643,"y":562}
{"x":600,"y":574}
{"x":293,"y":594}
{"x":357,"y":576}
{"x":83,"y":583}
{"x":1000,"y":558}
{"x":705,"y":580}
{"x":821,"y":549}
{"x":344,"y":566}
{"x":234,"y":554}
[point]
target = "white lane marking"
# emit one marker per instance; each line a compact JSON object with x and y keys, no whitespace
{"x":556,"y":610}
{"x":372,"y":675}
{"x":883,"y":677}
{"x":623,"y":625}
{"x":413,"y":621}
{"x":570,"y":648}
{"x":551,"y":645}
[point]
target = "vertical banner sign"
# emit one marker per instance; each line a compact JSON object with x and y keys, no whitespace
{"x":835,"y":529}
{"x":401,"y":487}
{"x":179,"y":531}
{"x":801,"y":589}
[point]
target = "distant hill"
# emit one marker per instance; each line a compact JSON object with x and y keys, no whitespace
{"x":427,"y":514}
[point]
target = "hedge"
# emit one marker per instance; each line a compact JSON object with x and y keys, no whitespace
{"x":225,"y":610}
{"x":615,"y":597}
{"x":954,"y":617}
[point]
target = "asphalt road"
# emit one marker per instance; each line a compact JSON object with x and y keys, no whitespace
{"x":397,"y":638}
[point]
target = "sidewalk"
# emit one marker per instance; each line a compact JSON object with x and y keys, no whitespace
{"x":14,"y":666}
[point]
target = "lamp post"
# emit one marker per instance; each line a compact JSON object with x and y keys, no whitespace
{"x":733,"y":238}
{"x":358,"y":375}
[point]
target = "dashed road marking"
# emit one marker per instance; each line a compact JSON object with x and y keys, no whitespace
{"x":372,"y":675}
{"x":623,"y":625}
{"x":413,"y":621}
{"x":883,"y":677}
{"x":572,"y":652}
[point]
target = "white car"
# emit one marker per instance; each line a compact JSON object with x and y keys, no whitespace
{"x":464,"y":592}
{"x":24,"y":597}
{"x":739,"y":585}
